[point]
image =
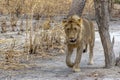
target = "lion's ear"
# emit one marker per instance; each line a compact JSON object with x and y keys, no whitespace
{"x":64,"y":22}
{"x":80,"y":20}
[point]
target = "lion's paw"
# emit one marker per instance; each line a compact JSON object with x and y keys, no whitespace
{"x":76,"y":69}
{"x":90,"y":63}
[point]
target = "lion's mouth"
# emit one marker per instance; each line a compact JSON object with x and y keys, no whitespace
{"x":73,"y":40}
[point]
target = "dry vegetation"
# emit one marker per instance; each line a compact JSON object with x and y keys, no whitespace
{"x":43,"y":7}
{"x":43,"y":38}
{"x":43,"y":43}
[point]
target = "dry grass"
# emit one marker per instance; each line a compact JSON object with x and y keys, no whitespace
{"x":48,"y":38}
{"x":45,"y":39}
{"x":11,"y":58}
{"x":14,"y":59}
{"x":43,"y":7}
{"x":50,"y":42}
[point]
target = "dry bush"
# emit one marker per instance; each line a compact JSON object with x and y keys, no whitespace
{"x":3,"y":26}
{"x":43,"y":7}
{"x":46,"y":24}
{"x":13,"y":23}
{"x":21,"y":26}
{"x":116,"y":11}
{"x":89,"y":11}
{"x":49,"y":38}
{"x":13,"y":59}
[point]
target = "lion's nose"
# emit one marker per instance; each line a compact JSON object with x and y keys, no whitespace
{"x":71,"y":38}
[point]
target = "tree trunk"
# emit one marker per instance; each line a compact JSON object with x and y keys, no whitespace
{"x":102,"y":19}
{"x":77,"y":7}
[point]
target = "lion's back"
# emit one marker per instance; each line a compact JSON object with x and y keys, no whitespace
{"x":89,"y":29}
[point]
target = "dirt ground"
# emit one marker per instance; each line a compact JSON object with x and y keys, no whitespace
{"x":54,"y":67}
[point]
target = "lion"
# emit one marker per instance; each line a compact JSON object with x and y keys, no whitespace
{"x":79,"y":34}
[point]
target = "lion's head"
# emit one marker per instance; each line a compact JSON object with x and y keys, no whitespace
{"x":72,"y":27}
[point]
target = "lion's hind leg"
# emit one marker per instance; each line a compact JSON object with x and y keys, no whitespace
{"x":85,"y":49}
{"x":91,"y":46}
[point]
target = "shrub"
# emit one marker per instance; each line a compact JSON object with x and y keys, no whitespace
{"x":117,"y":1}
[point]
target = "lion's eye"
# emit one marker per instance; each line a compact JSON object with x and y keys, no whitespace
{"x":75,"y":29}
{"x":68,"y":29}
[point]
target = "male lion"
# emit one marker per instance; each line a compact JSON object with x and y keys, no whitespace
{"x":79,"y":33}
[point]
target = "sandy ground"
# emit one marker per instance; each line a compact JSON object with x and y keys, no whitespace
{"x":54,"y":68}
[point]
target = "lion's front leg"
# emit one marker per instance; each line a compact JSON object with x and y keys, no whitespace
{"x":68,"y":57}
{"x":76,"y":66}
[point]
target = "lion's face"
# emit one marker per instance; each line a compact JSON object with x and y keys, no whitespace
{"x":72,"y":30}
